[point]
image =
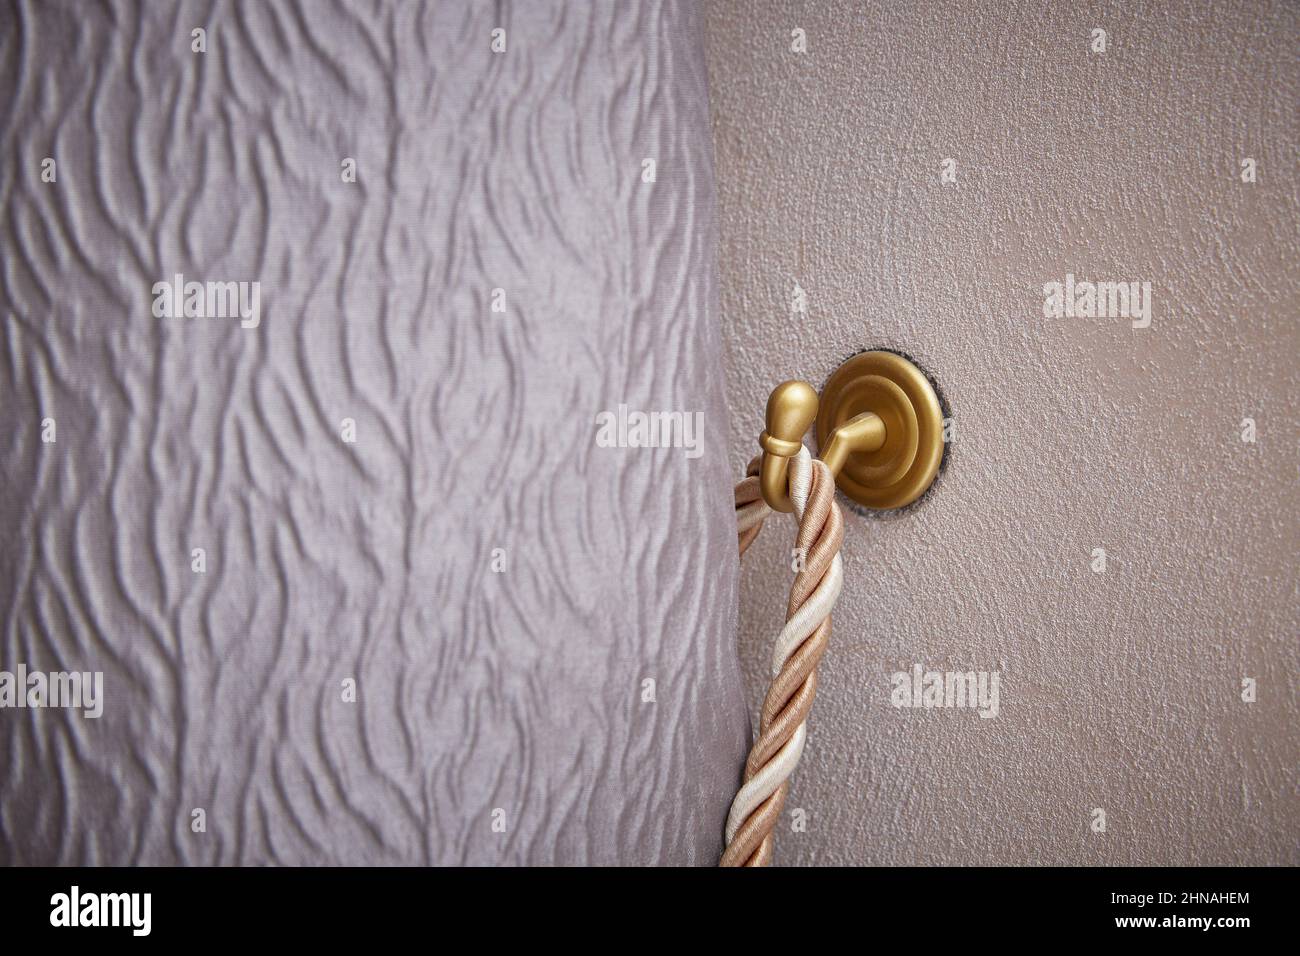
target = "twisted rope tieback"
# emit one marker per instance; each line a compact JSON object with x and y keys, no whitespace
{"x":799,"y":646}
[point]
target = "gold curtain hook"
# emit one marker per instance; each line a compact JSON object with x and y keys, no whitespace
{"x":879,"y":426}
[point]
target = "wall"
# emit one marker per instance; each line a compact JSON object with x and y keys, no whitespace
{"x":1120,"y":690}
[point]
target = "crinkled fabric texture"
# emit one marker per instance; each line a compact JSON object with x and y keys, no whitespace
{"x":505,"y":687}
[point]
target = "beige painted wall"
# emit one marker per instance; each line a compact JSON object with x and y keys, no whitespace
{"x":1119,"y":690}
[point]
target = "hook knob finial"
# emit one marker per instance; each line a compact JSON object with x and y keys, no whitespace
{"x":791,"y":410}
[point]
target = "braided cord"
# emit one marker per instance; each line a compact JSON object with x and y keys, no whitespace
{"x":799,"y":647}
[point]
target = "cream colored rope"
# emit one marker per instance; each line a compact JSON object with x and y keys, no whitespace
{"x":798,"y":648}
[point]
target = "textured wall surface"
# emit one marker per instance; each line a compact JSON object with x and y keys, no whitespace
{"x":1120,"y":690}
{"x":329,"y":560}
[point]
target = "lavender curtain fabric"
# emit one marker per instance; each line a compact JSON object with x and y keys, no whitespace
{"x":315,"y":316}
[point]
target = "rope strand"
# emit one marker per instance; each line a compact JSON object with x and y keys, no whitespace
{"x":798,"y":648}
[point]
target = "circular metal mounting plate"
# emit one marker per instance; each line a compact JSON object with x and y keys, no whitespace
{"x":896,"y":390}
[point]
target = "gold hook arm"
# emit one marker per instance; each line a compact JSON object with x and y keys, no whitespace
{"x":791,"y":408}
{"x":865,"y":432}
